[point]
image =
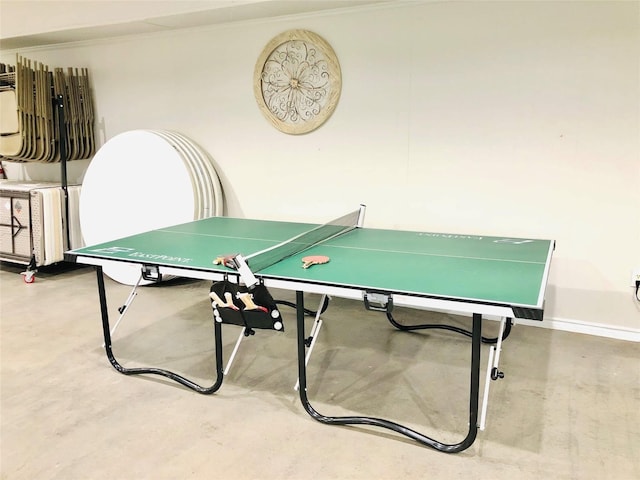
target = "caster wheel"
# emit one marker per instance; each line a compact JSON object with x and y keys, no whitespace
{"x":29,"y":277}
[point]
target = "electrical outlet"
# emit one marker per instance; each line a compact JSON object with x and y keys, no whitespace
{"x":635,"y":276}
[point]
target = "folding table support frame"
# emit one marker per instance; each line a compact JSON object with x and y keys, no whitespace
{"x":474,"y":388}
{"x":302,"y":344}
{"x":104,"y":311}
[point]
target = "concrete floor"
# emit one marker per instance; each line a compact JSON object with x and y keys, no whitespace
{"x":568,"y":407}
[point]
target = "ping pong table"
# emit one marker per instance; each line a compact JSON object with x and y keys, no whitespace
{"x":475,"y":275}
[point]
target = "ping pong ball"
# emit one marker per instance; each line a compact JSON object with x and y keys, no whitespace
{"x":275,"y":313}
{"x":277,"y":325}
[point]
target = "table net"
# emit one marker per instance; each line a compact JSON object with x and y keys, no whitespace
{"x":270,"y":256}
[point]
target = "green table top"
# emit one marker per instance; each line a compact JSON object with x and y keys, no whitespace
{"x":469,"y":267}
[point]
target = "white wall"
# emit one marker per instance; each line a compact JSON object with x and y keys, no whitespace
{"x":505,"y":118}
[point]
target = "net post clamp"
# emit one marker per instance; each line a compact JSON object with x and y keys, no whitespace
{"x":247,"y":276}
{"x":378,"y":301}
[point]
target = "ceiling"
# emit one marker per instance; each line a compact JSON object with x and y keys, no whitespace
{"x":30,"y":23}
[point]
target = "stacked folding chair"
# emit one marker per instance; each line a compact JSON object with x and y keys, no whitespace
{"x":30,"y":124}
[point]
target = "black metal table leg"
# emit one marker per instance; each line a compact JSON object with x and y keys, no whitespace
{"x":156,"y":371}
{"x":361,"y":420}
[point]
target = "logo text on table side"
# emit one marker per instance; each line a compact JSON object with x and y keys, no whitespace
{"x":133,"y":253}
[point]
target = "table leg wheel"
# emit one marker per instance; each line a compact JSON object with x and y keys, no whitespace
{"x":29,"y":277}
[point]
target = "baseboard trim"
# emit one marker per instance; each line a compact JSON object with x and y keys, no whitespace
{"x":575,"y":326}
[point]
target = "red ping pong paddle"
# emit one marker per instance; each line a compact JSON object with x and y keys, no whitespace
{"x":247,"y":299}
{"x":221,"y":303}
{"x":226,"y":260}
{"x":310,"y":260}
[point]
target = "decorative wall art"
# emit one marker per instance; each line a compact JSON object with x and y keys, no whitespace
{"x":297,"y":81}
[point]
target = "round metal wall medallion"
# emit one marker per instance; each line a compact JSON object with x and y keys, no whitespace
{"x":297,"y":81}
